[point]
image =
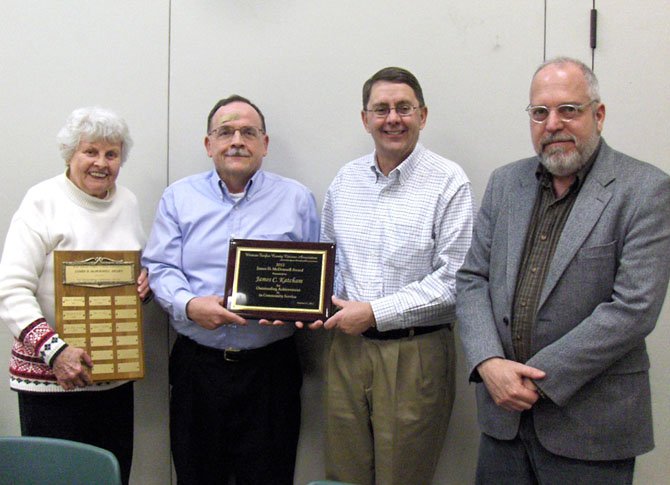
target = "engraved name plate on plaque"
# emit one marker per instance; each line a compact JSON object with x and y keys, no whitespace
{"x":99,"y":310}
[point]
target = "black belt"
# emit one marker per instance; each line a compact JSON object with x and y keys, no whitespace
{"x":373,"y":333}
{"x":241,"y":355}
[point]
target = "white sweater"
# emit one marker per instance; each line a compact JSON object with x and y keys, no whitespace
{"x":54,"y":215}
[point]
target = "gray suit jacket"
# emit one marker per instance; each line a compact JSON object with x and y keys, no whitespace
{"x":602,"y":296}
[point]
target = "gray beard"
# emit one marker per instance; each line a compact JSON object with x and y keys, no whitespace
{"x":562,"y":164}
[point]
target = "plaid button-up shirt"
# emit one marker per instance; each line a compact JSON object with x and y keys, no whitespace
{"x":400,"y":238}
{"x":547,"y":222}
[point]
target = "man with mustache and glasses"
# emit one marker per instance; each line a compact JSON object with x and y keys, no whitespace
{"x":401,"y":218}
{"x":565,"y":278}
{"x":235,"y":384}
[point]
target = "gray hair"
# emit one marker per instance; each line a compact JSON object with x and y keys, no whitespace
{"x":93,"y":124}
{"x":589,"y":75}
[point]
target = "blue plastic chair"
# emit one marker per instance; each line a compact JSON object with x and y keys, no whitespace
{"x":31,"y":460}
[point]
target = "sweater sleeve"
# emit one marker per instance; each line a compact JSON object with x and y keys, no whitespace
{"x":24,"y":257}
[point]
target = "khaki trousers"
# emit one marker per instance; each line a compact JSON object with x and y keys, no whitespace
{"x":388,"y":404}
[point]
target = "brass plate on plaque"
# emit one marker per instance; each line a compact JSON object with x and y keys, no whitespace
{"x":98,"y":309}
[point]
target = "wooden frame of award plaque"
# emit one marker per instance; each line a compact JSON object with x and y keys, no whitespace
{"x":283,"y":280}
{"x":99,"y":310}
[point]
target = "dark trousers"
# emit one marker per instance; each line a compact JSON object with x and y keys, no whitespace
{"x":100,"y":418}
{"x":239,"y":418}
{"x":524,"y":461}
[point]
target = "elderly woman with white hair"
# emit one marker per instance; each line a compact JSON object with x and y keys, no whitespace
{"x":81,"y":209}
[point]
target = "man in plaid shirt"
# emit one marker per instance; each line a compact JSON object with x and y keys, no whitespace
{"x":402,"y":219}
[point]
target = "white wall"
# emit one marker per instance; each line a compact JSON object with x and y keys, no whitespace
{"x":59,"y":55}
{"x":163,"y":64}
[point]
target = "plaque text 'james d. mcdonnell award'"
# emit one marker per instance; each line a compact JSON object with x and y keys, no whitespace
{"x":98,"y":309}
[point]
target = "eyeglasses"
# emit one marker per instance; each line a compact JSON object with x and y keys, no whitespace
{"x":566,"y":112}
{"x":383,"y":111}
{"x":249,"y":133}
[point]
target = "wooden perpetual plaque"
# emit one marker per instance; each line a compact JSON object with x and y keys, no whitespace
{"x":98,"y":309}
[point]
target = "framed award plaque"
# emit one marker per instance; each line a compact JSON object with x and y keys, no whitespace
{"x":98,"y":309}
{"x":282,"y":280}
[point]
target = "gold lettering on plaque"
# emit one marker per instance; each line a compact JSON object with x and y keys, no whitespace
{"x":102,"y":355}
{"x":128,"y":354}
{"x":74,"y":328}
{"x":126,"y":340}
{"x":99,"y":300}
{"x":126,"y":313}
{"x":100,"y":314}
{"x":279,"y":280}
{"x":128,"y":366}
{"x":98,"y":272}
{"x":74,"y":301}
{"x":101,"y":341}
{"x":101,"y":328}
{"x":74,"y":314}
{"x":125,"y":300}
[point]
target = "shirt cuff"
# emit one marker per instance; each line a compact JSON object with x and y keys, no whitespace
{"x":385,"y":314}
{"x":179,"y":308}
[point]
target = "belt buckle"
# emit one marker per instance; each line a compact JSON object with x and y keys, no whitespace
{"x":231,"y":355}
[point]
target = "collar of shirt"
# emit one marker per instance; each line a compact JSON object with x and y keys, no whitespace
{"x":253,"y":185}
{"x":404,"y":169}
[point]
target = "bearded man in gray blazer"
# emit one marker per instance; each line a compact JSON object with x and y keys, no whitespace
{"x":566,"y":276}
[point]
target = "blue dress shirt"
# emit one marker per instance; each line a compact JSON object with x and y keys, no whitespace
{"x":187,"y":252}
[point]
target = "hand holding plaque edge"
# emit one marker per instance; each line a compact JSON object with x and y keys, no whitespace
{"x":278,"y":323}
{"x":353,"y":318}
{"x":143,"y":289}
{"x":72,"y":368}
{"x":210,"y":312}
{"x":298,"y":324}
